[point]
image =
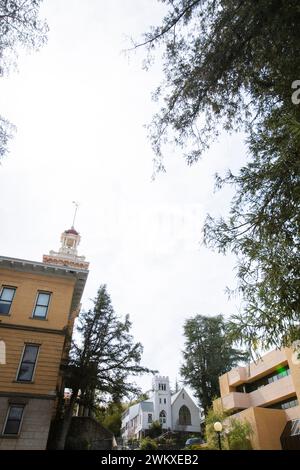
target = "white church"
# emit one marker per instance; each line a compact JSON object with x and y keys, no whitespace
{"x":176,"y":412}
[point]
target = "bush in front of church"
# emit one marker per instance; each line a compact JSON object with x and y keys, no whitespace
{"x":155,"y":429}
{"x":166,"y":443}
{"x":148,"y":444}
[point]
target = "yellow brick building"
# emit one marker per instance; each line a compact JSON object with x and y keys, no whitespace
{"x":39,"y":302}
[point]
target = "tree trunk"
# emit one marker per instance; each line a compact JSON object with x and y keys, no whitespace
{"x":65,"y":426}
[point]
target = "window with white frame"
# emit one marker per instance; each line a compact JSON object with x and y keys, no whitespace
{"x":41,"y":305}
{"x":28,"y":363}
{"x":13,"y":420}
{"x":149,"y":417}
{"x":6,"y":297}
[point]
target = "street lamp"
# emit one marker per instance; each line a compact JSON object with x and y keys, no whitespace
{"x":218,"y":428}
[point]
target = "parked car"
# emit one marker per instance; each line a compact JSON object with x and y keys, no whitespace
{"x":194,"y":440}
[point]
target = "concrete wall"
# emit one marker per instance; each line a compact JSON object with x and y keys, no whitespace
{"x":224,"y":384}
{"x":273,"y":392}
{"x":35,"y":426}
{"x":264,"y":396}
{"x":255,"y":370}
{"x":88,"y":429}
{"x":270,"y":425}
{"x":284,"y":388}
{"x":236,"y":400}
{"x":267,"y":425}
{"x":295,"y":371}
{"x":292,"y":413}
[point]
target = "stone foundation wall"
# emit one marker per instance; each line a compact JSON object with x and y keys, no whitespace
{"x":34,"y":429}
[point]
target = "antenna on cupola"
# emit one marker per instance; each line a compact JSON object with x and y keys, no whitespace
{"x":76,"y":204}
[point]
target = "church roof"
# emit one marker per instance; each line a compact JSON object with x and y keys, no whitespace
{"x":133,"y":411}
{"x":176,"y":395}
{"x":173,"y":397}
{"x":147,"y":406}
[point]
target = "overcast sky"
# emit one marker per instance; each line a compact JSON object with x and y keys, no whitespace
{"x":80,"y":106}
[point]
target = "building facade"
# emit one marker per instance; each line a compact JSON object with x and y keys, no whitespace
{"x":177,"y":412}
{"x":39,"y":302}
{"x":267,"y":395}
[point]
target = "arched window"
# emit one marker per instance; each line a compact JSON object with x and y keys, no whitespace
{"x":184,"y":416}
{"x":162,"y":417}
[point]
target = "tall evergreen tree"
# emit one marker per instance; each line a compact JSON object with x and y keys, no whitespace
{"x":103,"y":361}
{"x":208,"y":354}
{"x":232,"y":65}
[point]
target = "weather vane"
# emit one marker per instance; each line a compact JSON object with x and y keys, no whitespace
{"x":76,"y":204}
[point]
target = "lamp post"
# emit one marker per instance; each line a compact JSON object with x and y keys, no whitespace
{"x":218,"y":428}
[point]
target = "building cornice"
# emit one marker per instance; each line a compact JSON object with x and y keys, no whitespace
{"x":36,"y":267}
{"x":35,"y":329}
{"x":39,"y":267}
{"x":28,"y":395}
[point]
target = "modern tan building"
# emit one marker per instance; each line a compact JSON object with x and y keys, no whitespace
{"x":38,"y":305}
{"x":267,"y":394}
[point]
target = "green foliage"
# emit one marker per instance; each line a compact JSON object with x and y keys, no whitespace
{"x":210,"y":435}
{"x":231,"y":65}
{"x":141,"y":397}
{"x":228,"y":62}
{"x":208,"y":354}
{"x":239,"y":435}
{"x":111,"y":417}
{"x":235,"y":436}
{"x":155,"y":429}
{"x":20,"y":26}
{"x":195,"y":447}
{"x":133,"y":443}
{"x":148,"y":444}
{"x":166,"y":443}
{"x":105,"y":357}
{"x":263,"y":230}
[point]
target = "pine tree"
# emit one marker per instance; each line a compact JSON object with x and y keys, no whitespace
{"x":103,"y":361}
{"x":231,"y":65}
{"x":208,"y":354}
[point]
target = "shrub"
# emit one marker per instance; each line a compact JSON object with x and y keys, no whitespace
{"x":237,"y":435}
{"x":155,"y":429}
{"x":166,"y":443}
{"x":133,"y":442}
{"x":148,"y":444}
{"x":196,"y":447}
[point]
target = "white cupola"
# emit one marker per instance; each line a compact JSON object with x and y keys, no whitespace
{"x":67,"y":255}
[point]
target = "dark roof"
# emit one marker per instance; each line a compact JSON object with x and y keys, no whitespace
{"x":72,"y":230}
